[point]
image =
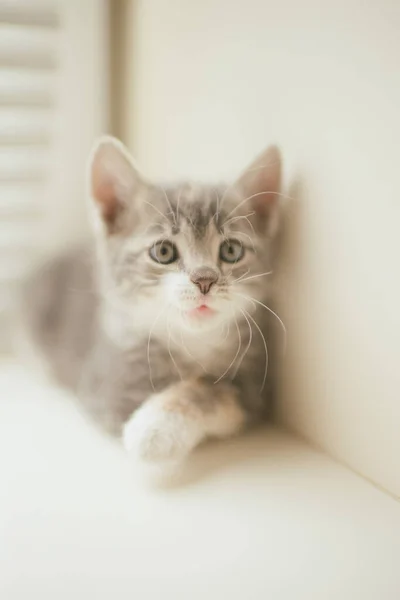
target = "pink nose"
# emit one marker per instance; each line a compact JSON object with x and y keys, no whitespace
{"x":204,"y":279}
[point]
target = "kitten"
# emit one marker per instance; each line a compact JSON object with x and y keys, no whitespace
{"x":162,"y":329}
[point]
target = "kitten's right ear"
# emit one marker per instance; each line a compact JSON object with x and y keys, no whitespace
{"x":260,"y":184}
{"x":113,"y":179}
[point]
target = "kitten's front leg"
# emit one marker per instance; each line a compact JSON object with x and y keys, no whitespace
{"x":170,"y":424}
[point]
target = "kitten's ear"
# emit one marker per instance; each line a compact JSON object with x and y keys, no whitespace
{"x":261,"y":183}
{"x":113,"y":179}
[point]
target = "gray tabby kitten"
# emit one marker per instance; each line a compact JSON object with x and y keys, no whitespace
{"x":162,"y":329}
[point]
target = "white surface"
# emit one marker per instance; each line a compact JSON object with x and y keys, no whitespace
{"x":259,"y":517}
{"x":213,"y":82}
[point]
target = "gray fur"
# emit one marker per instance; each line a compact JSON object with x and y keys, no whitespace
{"x":85,"y":309}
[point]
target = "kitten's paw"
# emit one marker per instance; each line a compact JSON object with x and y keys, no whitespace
{"x":156,"y":435}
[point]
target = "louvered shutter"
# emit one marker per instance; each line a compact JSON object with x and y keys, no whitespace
{"x":53,"y":102}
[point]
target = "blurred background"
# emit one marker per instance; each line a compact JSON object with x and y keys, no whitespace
{"x":197,"y":89}
{"x":54,"y":100}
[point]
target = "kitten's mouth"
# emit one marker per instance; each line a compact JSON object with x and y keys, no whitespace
{"x":201,"y":311}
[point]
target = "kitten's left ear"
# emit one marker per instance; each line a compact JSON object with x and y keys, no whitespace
{"x":113,"y":179}
{"x":260,"y":184}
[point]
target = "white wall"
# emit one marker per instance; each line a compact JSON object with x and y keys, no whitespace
{"x":210,"y":84}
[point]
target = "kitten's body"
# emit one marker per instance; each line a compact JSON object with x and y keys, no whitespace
{"x":126,"y":333}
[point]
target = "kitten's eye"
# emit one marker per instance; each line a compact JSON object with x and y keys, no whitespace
{"x":231,"y":251}
{"x":164,"y":252}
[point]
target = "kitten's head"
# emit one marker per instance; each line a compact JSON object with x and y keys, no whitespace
{"x":188,"y":256}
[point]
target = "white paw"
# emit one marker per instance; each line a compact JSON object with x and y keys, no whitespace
{"x":156,"y":435}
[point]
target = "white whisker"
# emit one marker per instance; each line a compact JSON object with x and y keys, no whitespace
{"x":228,"y":330}
{"x":250,"y":225}
{"x":233,"y":219}
{"x":156,"y":209}
{"x":216,"y":214}
{"x":258,"y":168}
{"x":271,"y":311}
{"x":248,"y":344}
{"x":250,"y":240}
{"x":255,"y":196}
{"x":228,"y":189}
{"x":255,"y":276}
{"x":218,"y":204}
{"x":265,"y":348}
{"x":178,"y":202}
{"x":239,"y":278}
{"x":236,"y":355}
{"x":152,"y":225}
{"x":246,"y":219}
{"x":169,"y":203}
{"x":243,"y":201}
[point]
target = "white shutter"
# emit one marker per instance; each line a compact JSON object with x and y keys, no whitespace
{"x":53,"y":102}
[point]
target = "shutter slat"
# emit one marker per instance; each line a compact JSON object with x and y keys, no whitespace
{"x":17,"y":238}
{"x":36,"y":13}
{"x":26,"y":87}
{"x":31,"y":48}
{"x":24,"y":126}
{"x":24,"y":164}
{"x":20,"y":201}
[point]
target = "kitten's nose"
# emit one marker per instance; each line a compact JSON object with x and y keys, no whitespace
{"x":204,"y":278}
